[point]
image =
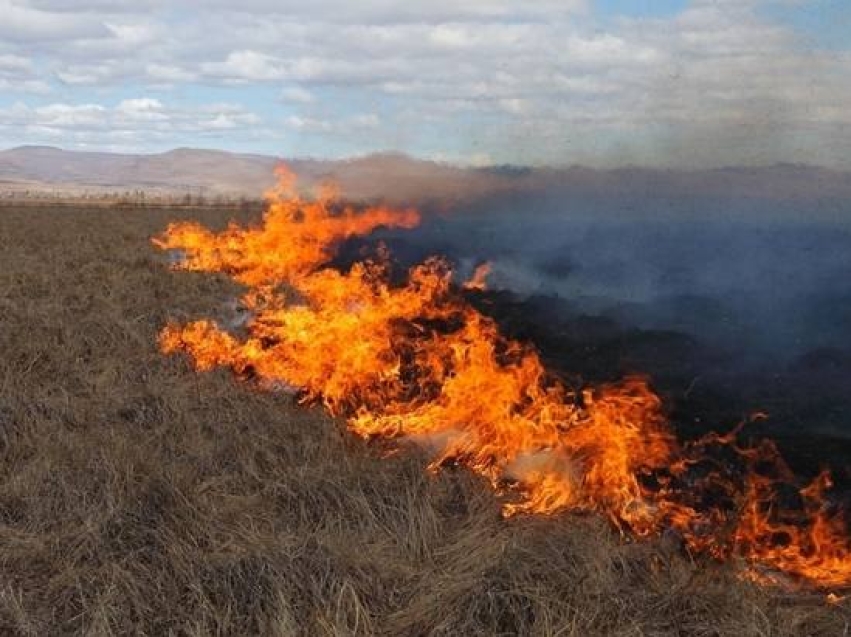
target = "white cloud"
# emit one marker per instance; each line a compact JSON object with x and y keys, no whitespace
{"x":88,"y":74}
{"x":354,"y":124}
{"x":143,"y":109}
{"x":35,"y":87}
{"x":23,"y":24}
{"x":393,"y":12}
{"x":131,"y":120}
{"x":15,"y":65}
{"x":308,"y":124}
{"x":132,"y":34}
{"x":246,"y":66}
{"x":18,"y":74}
{"x":69,"y":115}
{"x":521,"y":81}
{"x":164,"y":73}
{"x":368,"y":121}
{"x":297,"y":95}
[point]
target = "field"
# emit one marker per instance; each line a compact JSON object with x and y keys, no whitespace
{"x":139,"y":497}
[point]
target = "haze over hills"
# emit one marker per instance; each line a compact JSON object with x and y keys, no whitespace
{"x":395,"y":177}
{"x":212,"y":172}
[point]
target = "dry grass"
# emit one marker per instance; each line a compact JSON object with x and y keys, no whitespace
{"x":137,"y":497}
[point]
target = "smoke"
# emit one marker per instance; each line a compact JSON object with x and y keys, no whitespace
{"x":419,"y":360}
{"x":745,"y":295}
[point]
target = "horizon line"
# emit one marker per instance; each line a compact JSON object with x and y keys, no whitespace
{"x":446,"y":162}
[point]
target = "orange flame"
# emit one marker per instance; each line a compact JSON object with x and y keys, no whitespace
{"x":416,"y":360}
{"x":479,"y":280}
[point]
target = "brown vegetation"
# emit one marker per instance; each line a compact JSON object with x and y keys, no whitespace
{"x":138,"y":497}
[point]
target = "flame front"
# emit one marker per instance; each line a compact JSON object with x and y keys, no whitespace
{"x":415,"y":360}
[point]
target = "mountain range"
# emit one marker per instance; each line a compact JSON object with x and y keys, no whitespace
{"x":393,"y":177}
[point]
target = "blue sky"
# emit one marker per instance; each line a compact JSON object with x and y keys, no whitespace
{"x":607,"y":82}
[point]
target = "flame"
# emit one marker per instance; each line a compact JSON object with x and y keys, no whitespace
{"x":479,"y":280}
{"x":415,"y":360}
{"x":295,"y":239}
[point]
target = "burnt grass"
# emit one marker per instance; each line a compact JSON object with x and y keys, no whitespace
{"x":804,"y":404}
{"x":140,"y":497}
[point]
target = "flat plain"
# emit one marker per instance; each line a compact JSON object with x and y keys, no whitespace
{"x":140,"y":497}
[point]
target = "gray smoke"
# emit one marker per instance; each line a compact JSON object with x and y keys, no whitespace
{"x":760,"y":285}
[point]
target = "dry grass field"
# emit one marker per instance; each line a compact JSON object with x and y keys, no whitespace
{"x":140,"y":498}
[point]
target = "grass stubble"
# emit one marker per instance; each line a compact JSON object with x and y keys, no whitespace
{"x":138,"y":497}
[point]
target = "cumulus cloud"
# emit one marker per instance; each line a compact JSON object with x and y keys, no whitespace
{"x":548,"y":81}
{"x":18,"y":74}
{"x":246,"y":66}
{"x":349,"y":125}
{"x":168,"y":74}
{"x":26,"y":24}
{"x":126,"y":123}
{"x":297,"y":95}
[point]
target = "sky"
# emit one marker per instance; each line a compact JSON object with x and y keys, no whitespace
{"x":672,"y":83}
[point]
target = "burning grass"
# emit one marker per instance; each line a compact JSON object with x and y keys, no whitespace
{"x":139,"y":496}
{"x":417,"y":360}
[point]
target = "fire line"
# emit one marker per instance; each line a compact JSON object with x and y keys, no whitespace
{"x":416,"y":360}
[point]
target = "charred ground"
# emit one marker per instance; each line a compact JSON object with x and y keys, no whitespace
{"x":137,"y":496}
{"x":731,"y":304}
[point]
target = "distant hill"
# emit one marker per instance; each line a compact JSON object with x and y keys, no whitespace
{"x":393,"y":176}
{"x":181,"y":170}
{"x":212,"y":172}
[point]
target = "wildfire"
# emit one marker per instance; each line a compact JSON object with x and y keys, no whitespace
{"x":415,"y":360}
{"x":479,"y":280}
